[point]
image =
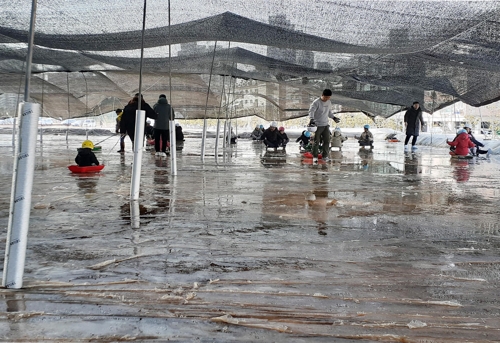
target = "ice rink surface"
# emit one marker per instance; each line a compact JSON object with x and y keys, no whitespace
{"x":373,"y":246}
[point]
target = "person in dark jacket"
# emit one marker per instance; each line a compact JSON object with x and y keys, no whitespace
{"x":413,"y":119}
{"x":272,"y":137}
{"x":85,"y":155}
{"x":468,"y":128}
{"x":179,"y":135}
{"x":127,"y":123}
{"x":304,"y":138}
{"x":284,"y":137}
{"x":165,"y":114}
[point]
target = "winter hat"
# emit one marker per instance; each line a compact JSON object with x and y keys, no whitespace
{"x":366,"y":126}
{"x":162,"y":96}
{"x":281,"y":128}
{"x":461,"y":131}
{"x":88,"y":144}
{"x":274,"y":124}
{"x":307,"y":134}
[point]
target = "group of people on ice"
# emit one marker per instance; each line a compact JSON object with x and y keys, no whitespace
{"x":161,"y":112}
{"x":273,"y":137}
{"x":464,"y":143}
{"x":317,"y":136}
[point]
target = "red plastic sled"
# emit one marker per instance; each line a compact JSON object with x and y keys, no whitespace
{"x":89,"y":169}
{"x":310,"y":155}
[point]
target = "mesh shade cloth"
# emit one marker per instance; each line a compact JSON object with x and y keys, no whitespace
{"x":376,"y":56}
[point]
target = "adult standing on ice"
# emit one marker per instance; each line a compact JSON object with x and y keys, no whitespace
{"x":413,"y":119}
{"x":319,"y":112}
{"x":127,"y":123}
{"x":162,"y":132}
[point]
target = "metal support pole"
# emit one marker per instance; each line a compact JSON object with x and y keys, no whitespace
{"x":224,"y":135}
{"x":140,"y":117}
{"x":204,"y":134}
{"x":14,"y":134}
{"x":217,"y":133}
{"x":41,"y":134}
{"x":173,"y":139}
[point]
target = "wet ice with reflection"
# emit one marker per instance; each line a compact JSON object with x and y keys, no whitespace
{"x":330,"y":251}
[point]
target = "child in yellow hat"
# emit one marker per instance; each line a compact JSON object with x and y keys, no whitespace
{"x":85,"y":155}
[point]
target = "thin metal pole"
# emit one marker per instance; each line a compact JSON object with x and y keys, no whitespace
{"x":14,"y":134}
{"x":29,"y":58}
{"x":139,"y":126}
{"x":173,"y":138}
{"x":18,"y":109}
{"x":222,"y":96}
{"x":204,"y":135}
{"x":69,"y":113}
{"x":22,"y":180}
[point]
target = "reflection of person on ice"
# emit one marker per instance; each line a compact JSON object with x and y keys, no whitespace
{"x":85,"y":155}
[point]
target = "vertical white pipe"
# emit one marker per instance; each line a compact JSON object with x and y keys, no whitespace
{"x":140,"y":116}
{"x":20,"y":205}
{"x":173,"y":148}
{"x":135,"y":214}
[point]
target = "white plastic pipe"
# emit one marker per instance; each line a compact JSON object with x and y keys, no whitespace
{"x":135,"y":214}
{"x":20,"y":200}
{"x":173,"y":148}
{"x":140,"y":116}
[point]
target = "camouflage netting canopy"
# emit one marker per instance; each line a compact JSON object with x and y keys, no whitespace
{"x":261,"y":57}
